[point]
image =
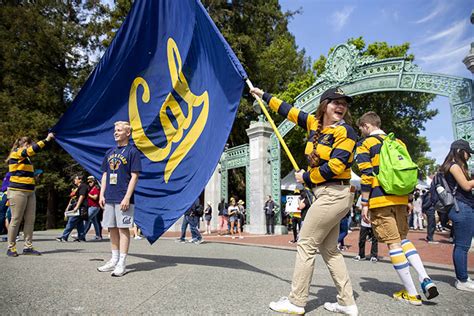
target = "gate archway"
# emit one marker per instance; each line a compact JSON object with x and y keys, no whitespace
{"x":358,"y":74}
{"x":236,"y":157}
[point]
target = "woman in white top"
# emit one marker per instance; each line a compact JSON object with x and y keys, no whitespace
{"x":417,"y":211}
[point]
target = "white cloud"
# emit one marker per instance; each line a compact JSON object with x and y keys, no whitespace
{"x":444,"y":48}
{"x":455,"y":31}
{"x":446,"y":54}
{"x":339,"y":19}
{"x":440,"y":7}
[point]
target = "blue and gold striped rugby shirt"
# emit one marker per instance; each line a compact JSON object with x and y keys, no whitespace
{"x":21,"y":169}
{"x":368,"y":161}
{"x":335,"y":147}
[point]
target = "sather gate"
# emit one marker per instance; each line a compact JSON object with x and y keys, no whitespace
{"x":358,"y":74}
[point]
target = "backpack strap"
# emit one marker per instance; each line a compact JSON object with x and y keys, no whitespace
{"x":380,"y":139}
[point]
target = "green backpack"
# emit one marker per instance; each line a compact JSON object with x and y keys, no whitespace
{"x":398,"y":174}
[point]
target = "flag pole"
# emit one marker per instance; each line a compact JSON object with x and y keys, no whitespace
{"x":275,"y":129}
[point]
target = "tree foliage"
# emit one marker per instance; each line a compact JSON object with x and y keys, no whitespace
{"x":42,"y":63}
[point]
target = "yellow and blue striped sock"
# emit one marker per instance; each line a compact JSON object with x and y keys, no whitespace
{"x":414,"y":259}
{"x":401,"y":265}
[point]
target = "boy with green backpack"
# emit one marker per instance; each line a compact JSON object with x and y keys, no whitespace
{"x":388,"y":176}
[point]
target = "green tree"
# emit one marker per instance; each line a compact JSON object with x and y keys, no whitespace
{"x":43,"y":61}
{"x":258,"y":33}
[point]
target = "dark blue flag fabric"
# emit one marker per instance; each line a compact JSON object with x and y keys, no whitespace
{"x":172,"y":75}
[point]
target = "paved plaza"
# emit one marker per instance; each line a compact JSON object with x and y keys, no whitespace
{"x":214,"y":278}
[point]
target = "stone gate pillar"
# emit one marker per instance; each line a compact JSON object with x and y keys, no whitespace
{"x":213,"y":193}
{"x":259,"y":138}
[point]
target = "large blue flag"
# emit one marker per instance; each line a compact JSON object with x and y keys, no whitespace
{"x":174,"y":77}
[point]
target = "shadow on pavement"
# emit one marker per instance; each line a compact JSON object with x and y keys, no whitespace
{"x":47,"y":252}
{"x":448,"y":279}
{"x":381,"y":287}
{"x":159,"y":261}
{"x":324,"y":294}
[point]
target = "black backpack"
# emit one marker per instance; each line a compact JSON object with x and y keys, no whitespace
{"x":442,"y":196}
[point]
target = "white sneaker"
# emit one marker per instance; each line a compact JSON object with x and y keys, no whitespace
{"x":357,"y":258}
{"x":119,"y":270}
{"x":109,"y":266}
{"x":465,"y":286}
{"x":335,"y":307}
{"x":285,"y":306}
{"x":138,"y":238}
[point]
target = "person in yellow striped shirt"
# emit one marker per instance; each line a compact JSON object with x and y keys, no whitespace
{"x":388,"y":213}
{"x":21,"y":192}
{"x":330,"y":152}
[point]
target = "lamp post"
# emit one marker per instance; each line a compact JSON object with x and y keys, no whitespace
{"x":469,"y":59}
{"x":469,"y":62}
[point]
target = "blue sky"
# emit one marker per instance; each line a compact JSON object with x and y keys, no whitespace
{"x":439,"y":33}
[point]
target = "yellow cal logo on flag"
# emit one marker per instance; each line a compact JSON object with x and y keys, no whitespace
{"x":173,"y":135}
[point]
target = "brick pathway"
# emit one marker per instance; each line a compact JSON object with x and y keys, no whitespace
{"x":430,"y":253}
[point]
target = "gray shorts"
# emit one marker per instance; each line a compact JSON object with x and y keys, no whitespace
{"x":113,"y":217}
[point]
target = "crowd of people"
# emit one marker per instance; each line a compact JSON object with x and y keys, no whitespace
{"x":231,"y":220}
{"x":333,"y":145}
{"x":320,"y":223}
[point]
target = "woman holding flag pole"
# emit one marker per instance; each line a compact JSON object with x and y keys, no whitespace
{"x":330,"y":152}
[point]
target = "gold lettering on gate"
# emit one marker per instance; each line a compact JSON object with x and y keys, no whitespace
{"x":173,"y":135}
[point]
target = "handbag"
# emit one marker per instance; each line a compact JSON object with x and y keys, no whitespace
{"x":72,"y":212}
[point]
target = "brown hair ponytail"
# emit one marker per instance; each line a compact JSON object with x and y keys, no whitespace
{"x":20,"y":142}
{"x":456,"y":156}
{"x":313,"y":157}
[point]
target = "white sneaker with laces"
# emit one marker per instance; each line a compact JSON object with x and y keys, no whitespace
{"x":109,"y":266}
{"x":465,"y":286}
{"x":119,"y":270}
{"x":285,"y":306}
{"x":335,"y":307}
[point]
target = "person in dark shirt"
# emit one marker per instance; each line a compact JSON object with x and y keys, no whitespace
{"x":269,"y":210}
{"x":457,"y":175}
{"x":121,"y":167}
{"x":208,"y":217}
{"x":191,"y":218}
{"x":223,"y":217}
{"x":79,"y":202}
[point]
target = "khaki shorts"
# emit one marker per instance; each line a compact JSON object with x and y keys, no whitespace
{"x":390,"y":223}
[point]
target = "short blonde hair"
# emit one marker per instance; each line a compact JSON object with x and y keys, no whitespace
{"x":125,"y":125}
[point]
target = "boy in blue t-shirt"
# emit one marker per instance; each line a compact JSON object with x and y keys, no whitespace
{"x":120,"y":167}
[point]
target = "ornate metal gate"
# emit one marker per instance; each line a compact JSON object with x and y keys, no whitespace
{"x":358,"y":74}
{"x":235,"y":157}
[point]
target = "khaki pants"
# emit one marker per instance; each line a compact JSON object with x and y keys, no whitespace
{"x":23,"y":207}
{"x":321,"y":230}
